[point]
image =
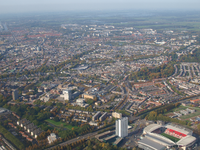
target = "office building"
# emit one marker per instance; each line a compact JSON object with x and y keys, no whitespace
{"x":122,"y":127}
{"x":67,"y":94}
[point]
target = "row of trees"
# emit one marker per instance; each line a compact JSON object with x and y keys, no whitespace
{"x":68,"y":134}
{"x":158,"y":115}
{"x":154,"y":116}
{"x":110,"y":128}
{"x":159,"y":109}
{"x":11,"y":138}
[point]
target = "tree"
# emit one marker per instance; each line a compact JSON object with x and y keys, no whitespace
{"x":49,"y":131}
{"x":56,"y":119}
{"x":95,"y":99}
{"x":198,"y":127}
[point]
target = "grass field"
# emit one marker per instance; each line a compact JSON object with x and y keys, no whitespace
{"x":177,"y":109}
{"x":61,"y":124}
{"x":54,"y":122}
{"x":170,"y":137}
{"x":190,"y":115}
{"x":183,"y":108}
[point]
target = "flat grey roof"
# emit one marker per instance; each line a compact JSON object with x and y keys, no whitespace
{"x":152,"y":144}
{"x":2,"y":110}
{"x":160,"y":139}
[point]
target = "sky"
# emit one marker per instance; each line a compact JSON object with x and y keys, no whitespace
{"x":20,"y":6}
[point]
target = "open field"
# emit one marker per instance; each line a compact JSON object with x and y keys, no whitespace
{"x":176,"y":109}
{"x":61,"y":124}
{"x":183,"y":108}
{"x":190,"y":115}
{"x":174,"y":139}
{"x":164,"y":20}
{"x":54,"y":122}
{"x":169,"y":22}
{"x":179,"y":108}
{"x":70,"y":126}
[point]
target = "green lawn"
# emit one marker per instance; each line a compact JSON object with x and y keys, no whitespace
{"x":189,"y":115}
{"x":183,"y":108}
{"x":174,"y":139}
{"x":54,"y":122}
{"x":61,"y":124}
{"x":177,"y":109}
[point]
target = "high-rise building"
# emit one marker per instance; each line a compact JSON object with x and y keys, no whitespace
{"x":38,"y":48}
{"x":121,"y":126}
{"x":15,"y":95}
{"x":67,"y":94}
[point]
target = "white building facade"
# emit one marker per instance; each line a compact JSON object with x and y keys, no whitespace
{"x":51,"y":138}
{"x":67,"y":94}
{"x":121,"y":126}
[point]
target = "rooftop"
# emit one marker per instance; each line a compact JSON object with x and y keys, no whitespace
{"x":186,"y":140}
{"x":152,"y":144}
{"x":151,"y":127}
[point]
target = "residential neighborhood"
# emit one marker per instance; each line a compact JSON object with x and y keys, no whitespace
{"x":84,"y":83}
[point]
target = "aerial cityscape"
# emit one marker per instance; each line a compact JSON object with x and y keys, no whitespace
{"x":107,"y":80}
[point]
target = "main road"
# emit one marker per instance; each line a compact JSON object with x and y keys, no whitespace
{"x":89,"y":135}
